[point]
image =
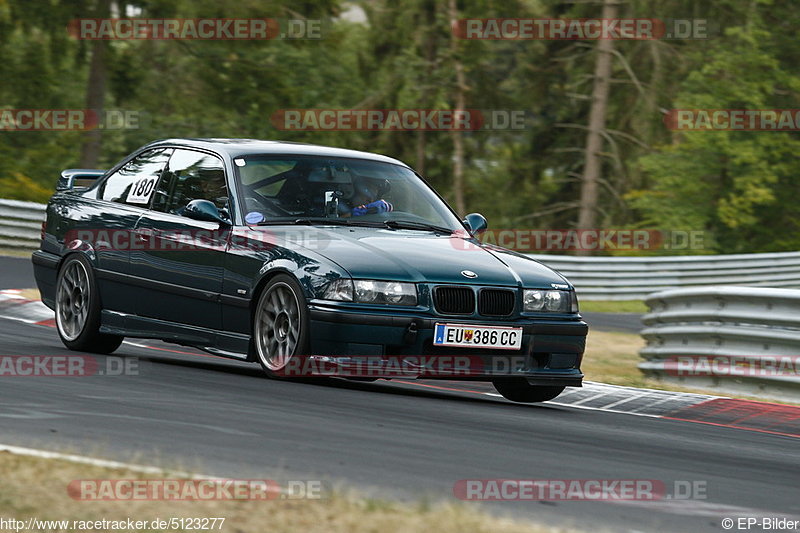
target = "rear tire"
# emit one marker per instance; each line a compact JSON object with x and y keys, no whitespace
{"x":519,"y":390}
{"x":280,"y":327}
{"x":78,"y":309}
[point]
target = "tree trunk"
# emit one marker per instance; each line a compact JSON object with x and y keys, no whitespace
{"x":420,"y":152}
{"x":96,"y":93}
{"x":587,"y":215}
{"x":429,"y":51}
{"x":460,"y":105}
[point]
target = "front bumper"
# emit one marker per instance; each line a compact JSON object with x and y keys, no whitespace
{"x":375,"y":344}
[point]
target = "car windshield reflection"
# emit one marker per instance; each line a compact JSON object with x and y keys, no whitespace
{"x":318,"y":190}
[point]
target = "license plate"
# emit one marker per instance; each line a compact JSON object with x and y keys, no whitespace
{"x":474,"y":336}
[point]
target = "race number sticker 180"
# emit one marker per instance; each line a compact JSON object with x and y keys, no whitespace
{"x":475,"y":336}
{"x":141,"y":190}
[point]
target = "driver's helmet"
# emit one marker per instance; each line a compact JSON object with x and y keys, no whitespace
{"x":369,"y":189}
{"x":210,"y":185}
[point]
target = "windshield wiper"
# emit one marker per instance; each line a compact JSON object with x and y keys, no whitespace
{"x":391,"y":224}
{"x":410,"y":224}
{"x":321,"y":221}
{"x":305,"y":221}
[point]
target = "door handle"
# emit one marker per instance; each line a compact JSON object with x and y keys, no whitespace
{"x":143,"y":235}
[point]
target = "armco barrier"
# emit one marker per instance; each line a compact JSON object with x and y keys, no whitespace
{"x":633,"y":278}
{"x":739,"y":339}
{"x":20,"y":224}
{"x":596,"y":278}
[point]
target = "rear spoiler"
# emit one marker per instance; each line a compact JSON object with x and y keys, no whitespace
{"x":78,"y":178}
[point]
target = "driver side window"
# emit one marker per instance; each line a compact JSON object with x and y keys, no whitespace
{"x":191,"y":176}
{"x":133,"y":183}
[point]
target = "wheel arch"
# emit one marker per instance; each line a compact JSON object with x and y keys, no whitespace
{"x":264,"y":279}
{"x":258,"y":291}
{"x":298,"y":272}
{"x":268,"y":272}
{"x":282,"y":266}
{"x":78,"y":247}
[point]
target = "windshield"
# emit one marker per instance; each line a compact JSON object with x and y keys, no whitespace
{"x":355,"y":191}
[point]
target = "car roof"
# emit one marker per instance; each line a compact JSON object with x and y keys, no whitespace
{"x":243,"y":147}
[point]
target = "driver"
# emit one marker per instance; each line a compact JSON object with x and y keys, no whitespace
{"x":205,"y":184}
{"x":212,"y":187}
{"x":366,"y":201}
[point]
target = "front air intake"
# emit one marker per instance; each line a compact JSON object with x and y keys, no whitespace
{"x":454,"y":300}
{"x":496,"y":302}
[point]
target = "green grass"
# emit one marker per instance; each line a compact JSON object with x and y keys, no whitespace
{"x":623,"y":306}
{"x":15,"y":252}
{"x":613,"y":357}
{"x":34,"y":487}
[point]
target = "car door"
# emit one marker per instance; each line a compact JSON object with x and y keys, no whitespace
{"x":179,"y":261}
{"x":109,"y":222}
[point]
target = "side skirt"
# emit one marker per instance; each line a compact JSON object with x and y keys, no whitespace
{"x":220,"y":343}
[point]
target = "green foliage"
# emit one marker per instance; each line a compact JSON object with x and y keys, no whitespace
{"x":19,"y":187}
{"x":733,"y":184}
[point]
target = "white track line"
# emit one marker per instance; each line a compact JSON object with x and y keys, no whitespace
{"x":603,"y":409}
{"x":620,"y":402}
{"x":18,"y":319}
{"x":91,"y":461}
{"x":587,"y":408}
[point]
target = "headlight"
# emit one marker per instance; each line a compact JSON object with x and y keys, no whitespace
{"x":400,"y":293}
{"x":385,"y":292}
{"x":554,"y":300}
{"x":365,"y":290}
{"x":533,"y":300}
{"x":372,"y":292}
{"x":549,"y":301}
{"x":340,"y":290}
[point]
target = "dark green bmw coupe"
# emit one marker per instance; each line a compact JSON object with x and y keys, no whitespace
{"x":312,"y":261}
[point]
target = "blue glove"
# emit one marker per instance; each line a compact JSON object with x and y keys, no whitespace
{"x":378,"y":206}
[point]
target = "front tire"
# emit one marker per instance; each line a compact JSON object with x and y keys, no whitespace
{"x":78,"y":309}
{"x":280,"y":326}
{"x":519,"y":390}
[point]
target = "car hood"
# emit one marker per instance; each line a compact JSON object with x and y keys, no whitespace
{"x":423,"y":256}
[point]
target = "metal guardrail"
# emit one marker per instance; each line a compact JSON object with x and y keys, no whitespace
{"x":595,"y":278}
{"x":21,"y":224}
{"x":633,"y":278}
{"x":741,"y":339}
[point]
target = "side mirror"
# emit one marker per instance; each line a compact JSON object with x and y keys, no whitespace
{"x":78,"y":178}
{"x":204,"y":210}
{"x":476,"y":223}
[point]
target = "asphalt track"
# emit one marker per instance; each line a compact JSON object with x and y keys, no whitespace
{"x":389,"y":439}
{"x":16,"y":273}
{"x":622,"y":322}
